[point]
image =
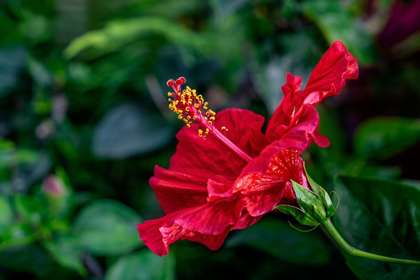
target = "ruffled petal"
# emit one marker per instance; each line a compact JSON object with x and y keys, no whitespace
{"x":329,"y":76}
{"x":298,"y":137}
{"x":176,"y":191}
{"x":263,"y":191}
{"x":283,"y":113}
{"x":208,"y":224}
{"x":246,"y":220}
{"x":293,"y":84}
{"x":151,"y":235}
{"x":212,"y":218}
{"x":210,"y":158}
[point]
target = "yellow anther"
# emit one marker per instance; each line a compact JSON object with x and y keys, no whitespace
{"x":191,"y":108}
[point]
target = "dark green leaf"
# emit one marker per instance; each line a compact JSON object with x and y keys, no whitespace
{"x":380,"y":217}
{"x":334,"y":18}
{"x":142,"y":265}
{"x":128,"y":130}
{"x":30,"y":209}
{"x":107,"y":227}
{"x":67,"y":252}
{"x":6,"y":215}
{"x":380,"y":138}
{"x":279,"y":239}
{"x":30,"y":258}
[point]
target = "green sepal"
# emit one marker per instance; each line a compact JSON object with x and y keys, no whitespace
{"x":326,"y":200}
{"x":310,"y":202}
{"x":298,"y":214}
{"x":302,"y":230}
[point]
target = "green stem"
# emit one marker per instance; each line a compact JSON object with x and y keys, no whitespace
{"x":355,"y":252}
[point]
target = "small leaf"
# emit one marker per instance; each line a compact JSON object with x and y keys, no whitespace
{"x":30,"y":209}
{"x":301,"y":217}
{"x":143,"y":265}
{"x":309,"y":202}
{"x":6,"y":215}
{"x":380,"y":138}
{"x":128,"y":130}
{"x":322,"y":194}
{"x":107,"y":227}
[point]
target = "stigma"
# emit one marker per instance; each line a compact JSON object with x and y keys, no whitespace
{"x":190,"y":107}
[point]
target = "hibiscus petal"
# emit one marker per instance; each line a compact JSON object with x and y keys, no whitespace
{"x":246,"y":220}
{"x":265,"y":190}
{"x":261,"y":203}
{"x":151,"y":235}
{"x":210,"y":158}
{"x":301,"y":135}
{"x":293,"y":84}
{"x":298,"y":137}
{"x":329,"y":76}
{"x":283,"y":113}
{"x":211,"y":218}
{"x":244,"y":129}
{"x":176,"y":191}
{"x":208,"y":224}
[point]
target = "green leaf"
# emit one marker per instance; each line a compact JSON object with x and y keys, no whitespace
{"x":380,"y":138}
{"x":30,"y":209}
{"x":143,"y":265}
{"x":334,"y":18}
{"x":32,"y":258}
{"x":6,"y":215}
{"x":67,"y":253}
{"x":16,"y":235}
{"x":107,"y":227}
{"x":122,"y":32}
{"x":277,"y":238}
{"x":128,"y":130}
{"x":380,"y":217}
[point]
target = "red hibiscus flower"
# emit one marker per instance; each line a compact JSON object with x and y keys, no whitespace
{"x":229,"y":174}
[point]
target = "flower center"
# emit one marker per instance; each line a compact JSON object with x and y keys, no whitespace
{"x":191,"y":108}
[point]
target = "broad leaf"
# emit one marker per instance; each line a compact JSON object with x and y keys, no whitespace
{"x":380,"y":138}
{"x":107,"y":227}
{"x":143,"y":265}
{"x":277,"y":238}
{"x":67,"y":252}
{"x":380,"y":217}
{"x":334,"y":18}
{"x":128,"y":130}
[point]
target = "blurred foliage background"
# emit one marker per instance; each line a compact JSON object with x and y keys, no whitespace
{"x":84,"y":120}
